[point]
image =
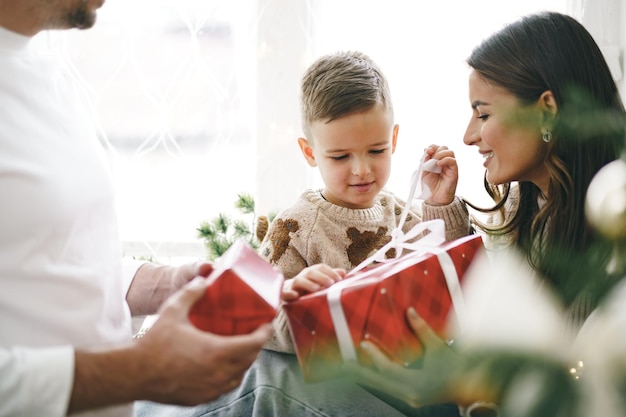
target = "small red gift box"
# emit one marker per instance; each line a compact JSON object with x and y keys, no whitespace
{"x":328,"y":326}
{"x":243,"y":293}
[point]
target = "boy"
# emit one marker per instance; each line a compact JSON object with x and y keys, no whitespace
{"x":350,"y":135}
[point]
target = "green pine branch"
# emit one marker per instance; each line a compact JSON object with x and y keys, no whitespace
{"x":245,"y":203}
{"x":223,"y":230}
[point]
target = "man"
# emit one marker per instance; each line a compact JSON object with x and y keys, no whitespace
{"x":66,"y":299}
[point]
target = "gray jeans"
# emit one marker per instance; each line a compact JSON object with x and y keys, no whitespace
{"x":274,"y":387}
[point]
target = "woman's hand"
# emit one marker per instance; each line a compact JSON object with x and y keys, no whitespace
{"x":311,"y":279}
{"x":442,"y":185}
{"x":444,"y":375}
{"x":414,"y":386}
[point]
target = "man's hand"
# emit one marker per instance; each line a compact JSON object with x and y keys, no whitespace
{"x":173,"y":363}
{"x":194,"y":366}
{"x":153,"y":284}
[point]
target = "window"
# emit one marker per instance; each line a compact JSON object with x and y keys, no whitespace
{"x":197,"y":100}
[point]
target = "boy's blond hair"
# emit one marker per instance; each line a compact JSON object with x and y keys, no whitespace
{"x":341,"y":84}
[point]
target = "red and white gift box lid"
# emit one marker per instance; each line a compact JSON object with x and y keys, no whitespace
{"x":243,"y":293}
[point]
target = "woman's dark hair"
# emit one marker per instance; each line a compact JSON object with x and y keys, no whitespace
{"x":553,"y":51}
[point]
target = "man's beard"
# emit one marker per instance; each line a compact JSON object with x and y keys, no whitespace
{"x":81,"y":17}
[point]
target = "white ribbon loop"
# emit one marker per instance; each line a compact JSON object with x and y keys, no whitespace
{"x":416,"y":185}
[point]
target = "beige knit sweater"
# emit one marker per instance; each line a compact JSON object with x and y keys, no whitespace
{"x":315,"y":231}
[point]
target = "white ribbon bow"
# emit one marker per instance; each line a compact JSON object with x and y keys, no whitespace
{"x":400,"y":240}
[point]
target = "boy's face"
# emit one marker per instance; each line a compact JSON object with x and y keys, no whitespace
{"x":353,"y":154}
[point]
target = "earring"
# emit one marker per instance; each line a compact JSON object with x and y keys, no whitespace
{"x":546,"y":135}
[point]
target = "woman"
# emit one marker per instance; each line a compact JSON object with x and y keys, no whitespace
{"x":546,"y":116}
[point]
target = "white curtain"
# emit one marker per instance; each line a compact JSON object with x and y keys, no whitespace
{"x":197,"y":100}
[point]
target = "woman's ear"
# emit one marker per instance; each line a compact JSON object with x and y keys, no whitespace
{"x":307,"y":151}
{"x":547,"y":105}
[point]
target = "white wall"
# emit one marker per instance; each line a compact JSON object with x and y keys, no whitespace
{"x":282,"y":56}
{"x":622,"y":43}
{"x":606,"y":20}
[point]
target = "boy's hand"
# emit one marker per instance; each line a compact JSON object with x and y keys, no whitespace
{"x":311,"y":279}
{"x":442,"y":185}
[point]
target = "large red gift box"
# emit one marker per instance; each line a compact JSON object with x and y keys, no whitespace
{"x":328,"y":326}
{"x":243,"y":293}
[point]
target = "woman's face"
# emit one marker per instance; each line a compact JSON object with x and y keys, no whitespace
{"x":507,"y":135}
